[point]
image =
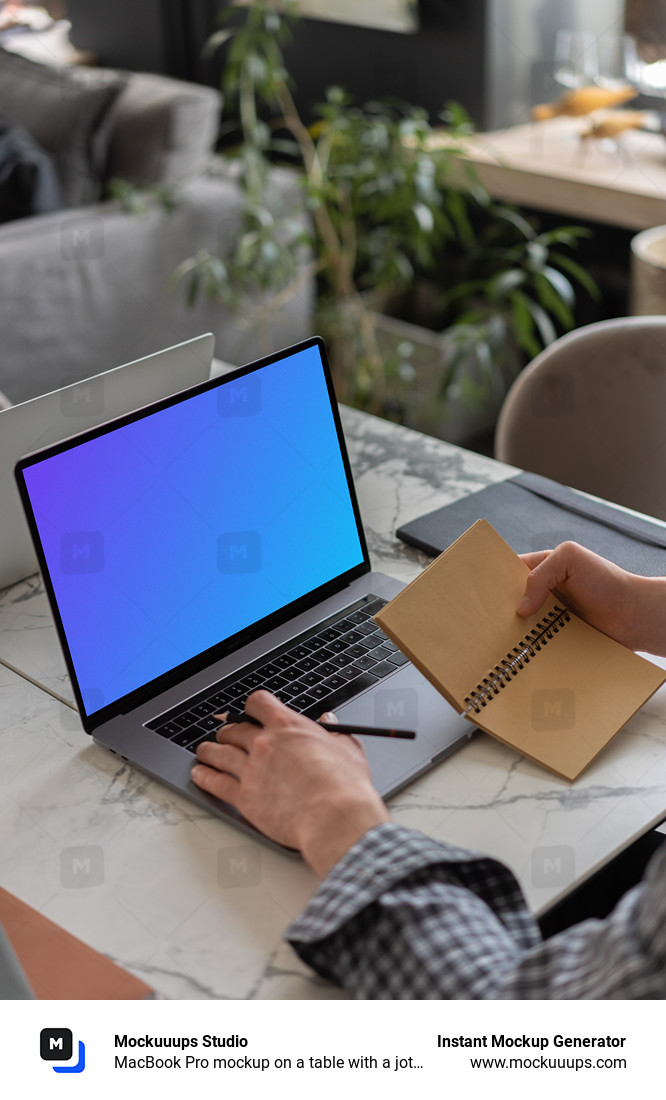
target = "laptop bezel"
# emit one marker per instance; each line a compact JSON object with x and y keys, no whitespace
{"x":156,"y":687}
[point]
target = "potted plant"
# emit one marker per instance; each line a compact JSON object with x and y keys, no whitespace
{"x":462,"y":334}
{"x":402,"y":232}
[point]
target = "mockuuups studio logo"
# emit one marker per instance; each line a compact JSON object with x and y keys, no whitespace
{"x":553,"y":866}
{"x":81,"y":865}
{"x":553,"y":709}
{"x":82,"y":239}
{"x":239,"y":552}
{"x":239,"y":865}
{"x":82,"y":552}
{"x":241,"y":397}
{"x":397,"y":708}
{"x":56,"y":1044}
{"x":84,"y":399}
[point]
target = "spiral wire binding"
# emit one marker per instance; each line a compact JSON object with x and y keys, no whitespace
{"x":510,"y":666}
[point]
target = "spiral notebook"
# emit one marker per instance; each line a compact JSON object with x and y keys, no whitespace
{"x":551,"y":686}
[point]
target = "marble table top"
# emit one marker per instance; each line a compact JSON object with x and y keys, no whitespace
{"x":187,"y":902}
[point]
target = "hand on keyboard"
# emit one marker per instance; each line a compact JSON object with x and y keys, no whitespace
{"x":300,"y":785}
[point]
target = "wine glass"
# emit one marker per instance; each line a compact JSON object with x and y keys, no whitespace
{"x":576,"y":59}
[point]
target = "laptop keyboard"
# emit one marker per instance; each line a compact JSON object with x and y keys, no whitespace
{"x":313,"y":673}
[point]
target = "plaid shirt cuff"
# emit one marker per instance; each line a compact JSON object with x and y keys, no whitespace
{"x":401,"y":916}
{"x":399,"y":908}
{"x":387,"y":855}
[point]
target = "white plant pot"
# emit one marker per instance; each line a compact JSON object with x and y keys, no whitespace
{"x":648,"y":272}
{"x":422,"y":405}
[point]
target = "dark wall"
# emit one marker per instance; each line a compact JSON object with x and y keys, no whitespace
{"x":444,"y":60}
{"x":147,"y":35}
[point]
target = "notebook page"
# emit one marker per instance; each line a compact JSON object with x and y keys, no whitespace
{"x":566,"y":705}
{"x":458,"y":618}
{"x":457,"y":621}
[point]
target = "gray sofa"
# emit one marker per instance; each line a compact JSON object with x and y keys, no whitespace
{"x":85,"y":288}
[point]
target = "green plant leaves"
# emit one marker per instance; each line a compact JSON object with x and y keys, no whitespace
{"x":391,"y":202}
{"x":424,"y":217}
{"x":578,"y":273}
{"x":214,"y":42}
{"x":504,"y":282}
{"x":555,"y":293}
{"x":523,"y":323}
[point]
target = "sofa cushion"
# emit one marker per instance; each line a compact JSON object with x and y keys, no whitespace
{"x":84,"y":290}
{"x":67,"y":111}
{"x":163,"y":129}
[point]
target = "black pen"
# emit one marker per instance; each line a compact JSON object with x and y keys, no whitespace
{"x":332,"y":727}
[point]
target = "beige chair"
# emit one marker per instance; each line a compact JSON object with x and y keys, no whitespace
{"x":590,"y":411}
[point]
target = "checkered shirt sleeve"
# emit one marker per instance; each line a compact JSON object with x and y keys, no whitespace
{"x":402,"y":916}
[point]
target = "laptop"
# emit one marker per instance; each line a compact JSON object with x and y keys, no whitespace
{"x":211,"y":544}
{"x":61,"y":413}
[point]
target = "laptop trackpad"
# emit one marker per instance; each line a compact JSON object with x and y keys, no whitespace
{"x":405,"y":701}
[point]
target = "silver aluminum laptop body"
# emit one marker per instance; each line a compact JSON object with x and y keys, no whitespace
{"x":65,"y":412}
{"x":208,"y":457}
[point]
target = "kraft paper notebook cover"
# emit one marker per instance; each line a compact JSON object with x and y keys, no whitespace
{"x":59,"y":966}
{"x":551,"y":686}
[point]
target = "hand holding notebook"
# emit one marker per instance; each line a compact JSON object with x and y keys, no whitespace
{"x":550,"y":685}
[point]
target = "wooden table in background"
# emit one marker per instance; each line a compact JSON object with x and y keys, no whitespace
{"x":547,"y":166}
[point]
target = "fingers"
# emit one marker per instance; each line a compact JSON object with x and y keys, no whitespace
{"x":218,"y":770}
{"x":535,"y":558}
{"x":328,"y":718}
{"x":535,"y":594}
{"x":552,"y":571}
{"x":260,"y":705}
{"x":220,"y":784}
{"x":268,"y":710}
{"x":537,"y":590}
{"x":226,"y":758}
{"x":236,"y":733}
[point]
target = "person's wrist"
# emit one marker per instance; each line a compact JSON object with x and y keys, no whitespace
{"x":330,"y":826}
{"x":648,"y":601}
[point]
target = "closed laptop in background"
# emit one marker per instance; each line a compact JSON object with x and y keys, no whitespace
{"x":65,"y":412}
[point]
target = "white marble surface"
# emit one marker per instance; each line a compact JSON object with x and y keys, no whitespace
{"x":190,"y":904}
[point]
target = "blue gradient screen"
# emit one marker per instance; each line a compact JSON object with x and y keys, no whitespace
{"x":168,"y":535}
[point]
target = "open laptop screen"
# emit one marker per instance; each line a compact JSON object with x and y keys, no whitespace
{"x":174,"y":531}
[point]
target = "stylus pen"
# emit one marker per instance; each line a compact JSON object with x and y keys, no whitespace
{"x":332,"y":727}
